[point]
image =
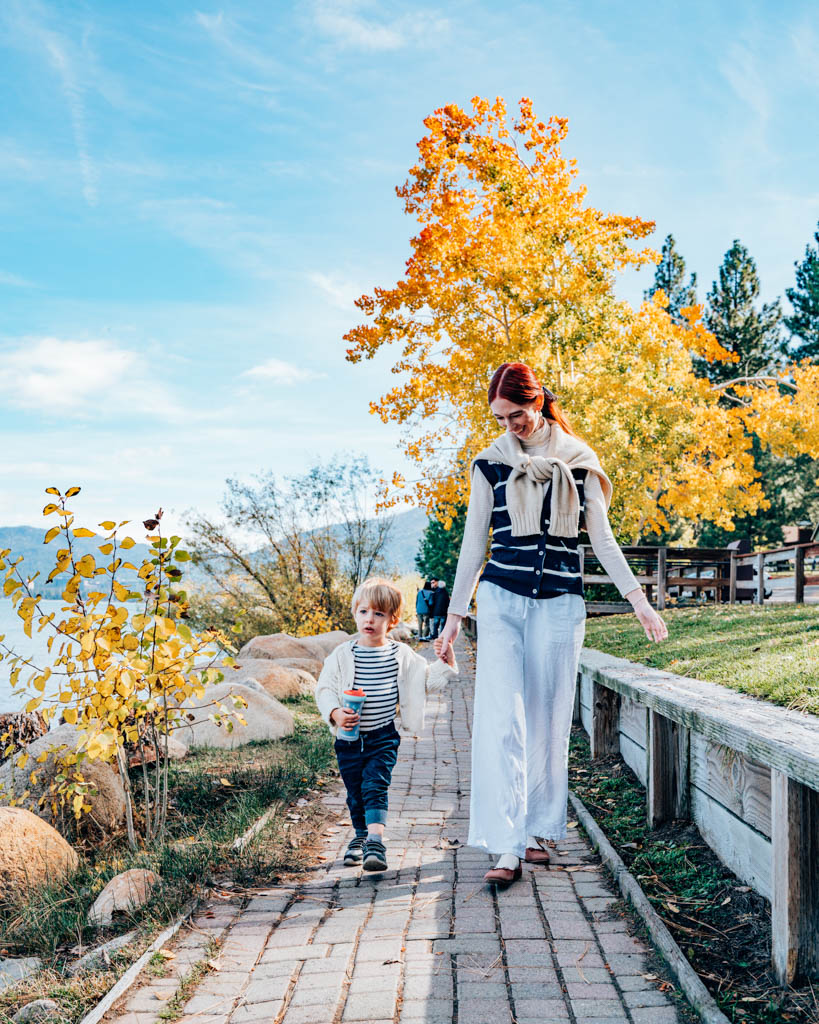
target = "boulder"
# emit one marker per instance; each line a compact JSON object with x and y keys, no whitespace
{"x":32,"y":853}
{"x":401,"y":632}
{"x":282,"y":645}
{"x":266,"y":718}
{"x":107,"y":797}
{"x":126,"y":891}
{"x":14,"y":969}
{"x":276,"y":679}
{"x":310,"y":665}
{"x":329,"y":641}
{"x":176,"y":751}
{"x":101,"y":955}
{"x":39,"y":1010}
{"x":19,"y":728}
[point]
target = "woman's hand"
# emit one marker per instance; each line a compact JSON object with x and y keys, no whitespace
{"x":344,"y":718}
{"x":443,"y":643}
{"x":651,"y":622}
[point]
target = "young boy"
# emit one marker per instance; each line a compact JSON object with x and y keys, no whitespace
{"x":392,"y":675}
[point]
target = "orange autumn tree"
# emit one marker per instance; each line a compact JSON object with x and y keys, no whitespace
{"x":511,"y":263}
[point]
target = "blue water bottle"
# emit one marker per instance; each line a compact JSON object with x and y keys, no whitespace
{"x":353,"y":701}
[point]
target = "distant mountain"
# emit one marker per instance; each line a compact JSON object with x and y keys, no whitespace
{"x":405,"y":540}
{"x":399,"y":551}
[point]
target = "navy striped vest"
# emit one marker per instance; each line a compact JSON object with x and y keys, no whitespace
{"x":539,"y":566}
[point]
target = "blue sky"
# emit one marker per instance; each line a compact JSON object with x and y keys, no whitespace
{"x":191,"y":197}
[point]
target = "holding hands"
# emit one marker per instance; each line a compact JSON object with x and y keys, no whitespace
{"x":443,"y":643}
{"x":651,"y":622}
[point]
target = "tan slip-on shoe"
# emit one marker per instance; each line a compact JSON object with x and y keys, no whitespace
{"x":503,"y":876}
{"x":536,"y":855}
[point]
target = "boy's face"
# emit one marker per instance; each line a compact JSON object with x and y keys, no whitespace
{"x":373,"y":624}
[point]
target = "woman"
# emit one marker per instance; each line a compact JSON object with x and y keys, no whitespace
{"x":536,"y":485}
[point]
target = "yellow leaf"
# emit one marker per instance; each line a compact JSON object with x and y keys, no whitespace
{"x":126,"y":543}
{"x":70,"y":715}
{"x":225,"y":782}
{"x":51,"y":534}
{"x":49,"y":508}
{"x":107,"y":524}
{"x":120,"y":591}
{"x":53,"y":490}
{"x":72,"y":491}
{"x":83,"y":532}
{"x":106,"y":549}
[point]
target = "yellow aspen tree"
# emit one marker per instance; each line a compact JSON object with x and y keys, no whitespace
{"x":512,"y":263}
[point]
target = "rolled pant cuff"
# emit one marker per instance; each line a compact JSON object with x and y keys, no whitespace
{"x":375,"y":815}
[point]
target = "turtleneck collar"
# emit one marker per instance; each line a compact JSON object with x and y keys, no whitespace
{"x":538,"y":438}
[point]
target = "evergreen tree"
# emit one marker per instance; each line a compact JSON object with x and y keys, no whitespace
{"x":804,"y":323}
{"x":730,"y":314}
{"x":669,"y":275}
{"x":440,"y":547}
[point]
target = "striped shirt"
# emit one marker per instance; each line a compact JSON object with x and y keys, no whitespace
{"x":376,"y":673}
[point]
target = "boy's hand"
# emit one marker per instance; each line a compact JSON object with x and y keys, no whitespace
{"x":444,"y":653}
{"x":344,"y":718}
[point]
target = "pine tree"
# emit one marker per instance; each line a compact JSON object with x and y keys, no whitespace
{"x":669,"y":275}
{"x":440,"y":547}
{"x":755,"y":336}
{"x":804,"y":323}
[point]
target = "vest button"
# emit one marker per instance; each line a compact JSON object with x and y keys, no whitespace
{"x":538,"y":572}
{"x":535,"y":590}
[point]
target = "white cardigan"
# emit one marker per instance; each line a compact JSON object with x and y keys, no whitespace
{"x":416,"y":676}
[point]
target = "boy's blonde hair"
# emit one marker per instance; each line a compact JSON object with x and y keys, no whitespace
{"x":382,"y":594}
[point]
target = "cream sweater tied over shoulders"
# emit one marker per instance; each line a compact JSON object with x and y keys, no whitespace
{"x":479,"y":517}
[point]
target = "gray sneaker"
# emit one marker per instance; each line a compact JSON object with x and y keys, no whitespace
{"x":375,"y":855}
{"x":354,"y":854}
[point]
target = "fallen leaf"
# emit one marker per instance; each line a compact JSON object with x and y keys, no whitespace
{"x":215,"y":965}
{"x":167,"y":954}
{"x":225,"y":782}
{"x":571,"y":824}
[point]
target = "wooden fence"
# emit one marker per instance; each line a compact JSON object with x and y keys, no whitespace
{"x":746,"y":772}
{"x":720,"y":574}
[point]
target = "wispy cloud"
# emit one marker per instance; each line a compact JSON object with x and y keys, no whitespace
{"x":277,"y":371}
{"x":14,"y":280}
{"x":341,"y":291}
{"x":218,"y":227}
{"x":79,"y":378}
{"x":28,"y":21}
{"x":355,"y":25}
{"x":741,"y":69}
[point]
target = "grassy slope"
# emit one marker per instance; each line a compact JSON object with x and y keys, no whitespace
{"x":768,"y":652}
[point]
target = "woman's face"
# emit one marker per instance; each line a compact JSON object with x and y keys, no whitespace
{"x":520,"y":420}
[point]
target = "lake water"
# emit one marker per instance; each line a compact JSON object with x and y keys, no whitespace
{"x":35,"y":649}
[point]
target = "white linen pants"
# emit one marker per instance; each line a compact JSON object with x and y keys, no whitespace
{"x":528,"y":654}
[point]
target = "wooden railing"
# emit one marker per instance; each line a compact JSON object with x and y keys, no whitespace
{"x":746,"y":772}
{"x":705,"y":572}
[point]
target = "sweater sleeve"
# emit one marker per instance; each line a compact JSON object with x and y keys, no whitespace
{"x":473,"y":547}
{"x":602,"y":539}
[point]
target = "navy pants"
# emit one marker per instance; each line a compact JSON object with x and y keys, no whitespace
{"x":366,"y":766}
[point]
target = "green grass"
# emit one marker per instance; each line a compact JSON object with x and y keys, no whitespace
{"x":215,"y":796}
{"x":772,"y":653}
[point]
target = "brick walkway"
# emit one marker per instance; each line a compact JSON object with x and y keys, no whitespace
{"x":425,"y":942}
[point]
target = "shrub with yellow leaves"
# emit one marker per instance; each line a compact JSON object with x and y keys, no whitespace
{"x":124,"y":659}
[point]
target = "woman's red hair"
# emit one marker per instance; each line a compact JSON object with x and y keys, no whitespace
{"x":516,"y":382}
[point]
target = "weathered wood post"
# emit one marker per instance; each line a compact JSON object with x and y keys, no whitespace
{"x":760,"y":578}
{"x":605,"y":730}
{"x":795,"y":879}
{"x":732,"y":579}
{"x":799,"y":575}
{"x":667,"y":795}
{"x":661,"y":575}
